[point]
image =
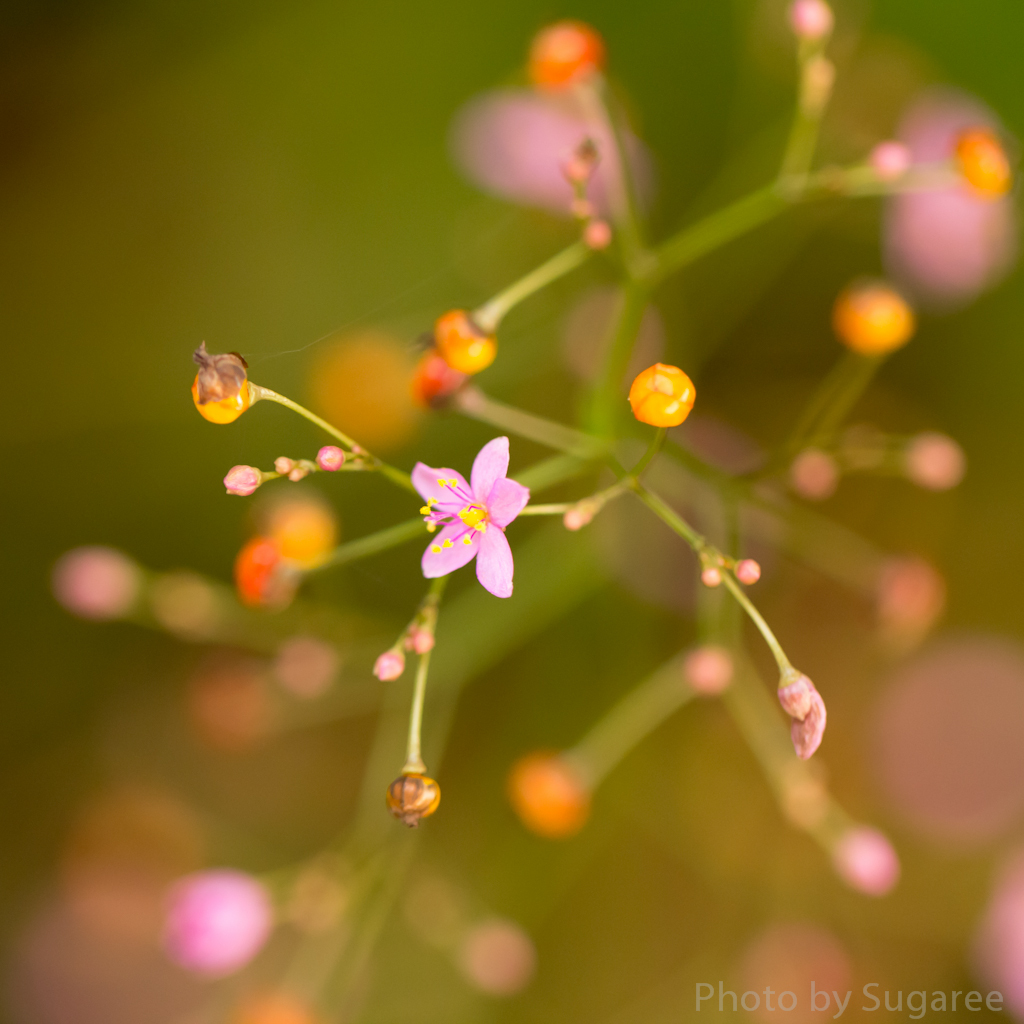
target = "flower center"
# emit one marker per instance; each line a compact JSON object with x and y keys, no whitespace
{"x":474,"y":516}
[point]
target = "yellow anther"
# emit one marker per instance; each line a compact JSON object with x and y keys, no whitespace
{"x":435,"y":548}
{"x":453,"y":483}
{"x":425,"y":510}
{"x":431,"y":527}
{"x":480,"y":527}
{"x":467,"y":539}
{"x":442,"y":483}
{"x":472,"y":515}
{"x":447,"y":543}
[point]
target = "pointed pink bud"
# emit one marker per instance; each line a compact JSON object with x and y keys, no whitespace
{"x":243,"y":480}
{"x":298,"y":473}
{"x":711,"y":576}
{"x":802,"y":702}
{"x":390,"y":665}
{"x":598,"y":234}
{"x":284,"y":465}
{"x":748,"y":571}
{"x":890,"y":160}
{"x":865,"y":859}
{"x":708,"y":669}
{"x":421,"y":640}
{"x":330,"y":458}
{"x":811,"y":19}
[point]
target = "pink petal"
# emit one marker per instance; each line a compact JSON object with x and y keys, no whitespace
{"x":494,"y":566}
{"x":490,"y":464}
{"x":425,"y":480}
{"x":440,"y":563}
{"x":506,"y":501}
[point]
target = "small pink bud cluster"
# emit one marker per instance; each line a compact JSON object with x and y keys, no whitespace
{"x":243,"y":480}
{"x":865,"y":859}
{"x":330,"y":458}
{"x":390,"y":665}
{"x":294,"y":469}
{"x":890,"y":160}
{"x":579,"y":167}
{"x":217,"y":921}
{"x":711,"y":576}
{"x":811,"y":19}
{"x":934,"y":461}
{"x":802,"y":702}
{"x":708,"y":669}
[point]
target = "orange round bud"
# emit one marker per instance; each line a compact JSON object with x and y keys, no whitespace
{"x":303,"y":529}
{"x":227,"y":410}
{"x":565,"y":53}
{"x":412,"y":797}
{"x":462,"y":345}
{"x":258,"y":572}
{"x":872,"y":318}
{"x":549,"y":797}
{"x":435,"y":381}
{"x":662,"y":395}
{"x":983,"y":162}
{"x":273,"y":1008}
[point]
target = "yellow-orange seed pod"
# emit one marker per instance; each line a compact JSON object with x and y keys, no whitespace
{"x":221,"y":388}
{"x":872,"y":318}
{"x":413,"y":797}
{"x":463,"y":346}
{"x":984,"y":163}
{"x":565,"y":53}
{"x":662,"y":395}
{"x":548,"y":795}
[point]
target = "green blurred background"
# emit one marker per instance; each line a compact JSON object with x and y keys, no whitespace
{"x":262,"y":175}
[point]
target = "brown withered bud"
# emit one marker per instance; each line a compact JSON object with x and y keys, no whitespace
{"x":220,"y":376}
{"x":580,"y":166}
{"x":412,"y":797}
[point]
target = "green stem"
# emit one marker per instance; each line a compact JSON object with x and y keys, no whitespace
{"x":655,"y":446}
{"x":547,"y":510}
{"x":372,"y":544}
{"x":785,"y":668}
{"x":856,"y":374}
{"x":413,"y":754}
{"x":607,"y":391}
{"x":488,"y":316}
{"x":803,"y":135}
{"x":396,"y":476}
{"x":672,"y":519}
{"x":629,"y":722}
{"x":474,"y":403}
{"x":715,"y":230}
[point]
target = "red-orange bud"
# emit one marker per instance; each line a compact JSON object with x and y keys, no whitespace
{"x":662,"y":396}
{"x":462,"y":345}
{"x":565,"y":53}
{"x":983,"y":162}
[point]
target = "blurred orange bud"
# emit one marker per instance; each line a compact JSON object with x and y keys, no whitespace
{"x":303,"y":528}
{"x":565,"y":53}
{"x":662,"y":396}
{"x":413,"y":797}
{"x":872,"y":318}
{"x":983,"y":162}
{"x":221,"y":388}
{"x":361,"y":384}
{"x":261,"y":577}
{"x":434,"y":381}
{"x":548,"y":795}
{"x":462,"y":345}
{"x":274,"y":1008}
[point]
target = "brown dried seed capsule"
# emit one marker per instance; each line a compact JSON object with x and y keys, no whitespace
{"x":221,"y":375}
{"x":413,"y":796}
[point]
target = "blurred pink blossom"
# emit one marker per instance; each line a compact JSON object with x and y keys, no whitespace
{"x":514,"y":144}
{"x":890,"y":160}
{"x":935,"y":461}
{"x":865,"y":859}
{"x":814,"y":475}
{"x":217,"y":921}
{"x":948,"y":734}
{"x":946,"y":246}
{"x":708,"y":669}
{"x":999,"y":942}
{"x":306,"y":666}
{"x":810,"y":19}
{"x":96,"y":582}
{"x":497,"y":957}
{"x":910,"y":598}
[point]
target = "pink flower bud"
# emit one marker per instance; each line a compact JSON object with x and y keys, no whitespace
{"x":748,"y":571}
{"x":284,"y":465}
{"x":330,"y":458}
{"x":865,"y":859}
{"x":935,"y":461}
{"x":421,"y":640}
{"x":96,"y":582}
{"x":497,"y":957}
{"x":711,"y":576}
{"x":811,"y":19}
{"x":243,"y":480}
{"x":910,"y":596}
{"x":217,"y":921}
{"x":708,"y":669}
{"x":598,"y":234}
{"x":814,"y":475}
{"x":298,"y":473}
{"x":390,"y":665}
{"x":890,"y":160}
{"x":802,"y":702}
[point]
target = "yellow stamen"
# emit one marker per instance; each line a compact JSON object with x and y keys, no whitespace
{"x":453,"y":483}
{"x":472,"y":515}
{"x":480,"y":527}
{"x":435,"y":549}
{"x":431,"y":527}
{"x":425,"y":510}
{"x":467,"y":539}
{"x":441,"y":483}
{"x":447,"y":543}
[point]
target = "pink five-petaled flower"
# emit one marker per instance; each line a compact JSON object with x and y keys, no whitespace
{"x":473,"y":517}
